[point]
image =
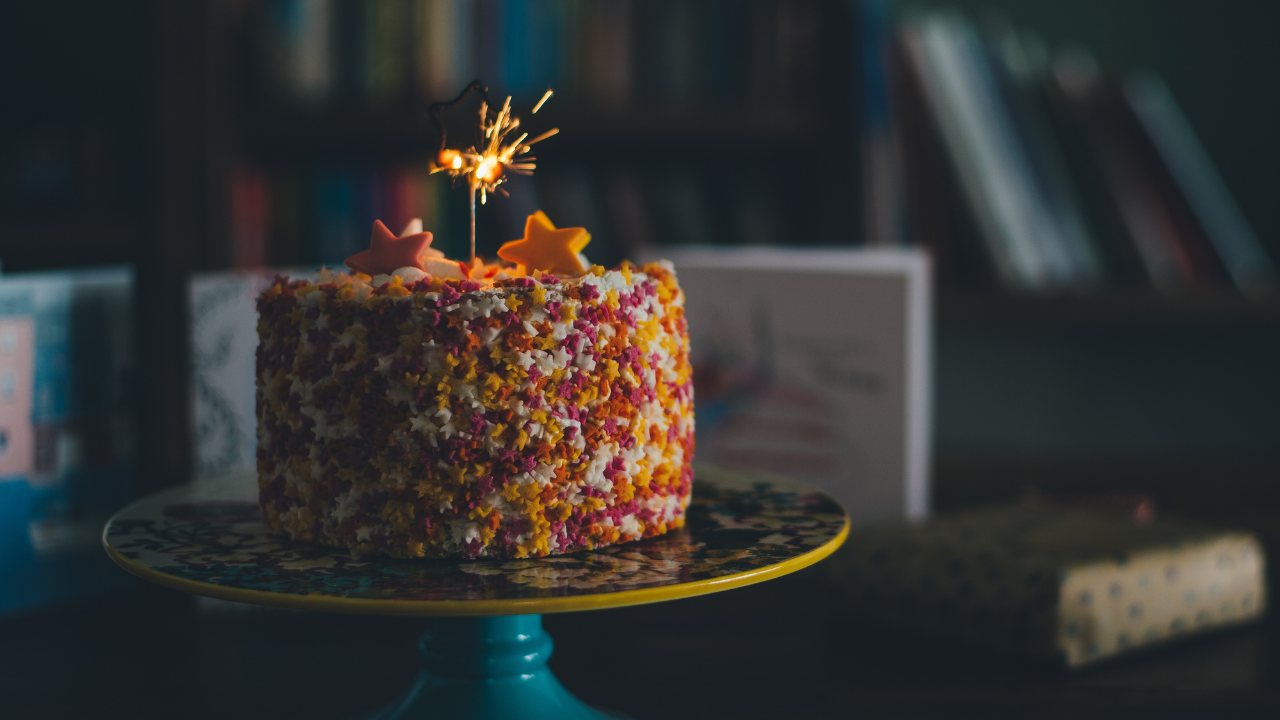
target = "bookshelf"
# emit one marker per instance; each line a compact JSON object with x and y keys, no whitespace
{"x":329,"y":99}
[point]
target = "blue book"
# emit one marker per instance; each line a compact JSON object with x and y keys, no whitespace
{"x":337,"y":230}
{"x":371,"y":204}
{"x":66,"y":450}
{"x":1018,"y":64}
{"x":518,"y":70}
{"x":881,"y":167}
{"x":550,"y":47}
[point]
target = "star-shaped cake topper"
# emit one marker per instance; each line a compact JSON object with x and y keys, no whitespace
{"x":545,"y":248}
{"x":387,"y":252}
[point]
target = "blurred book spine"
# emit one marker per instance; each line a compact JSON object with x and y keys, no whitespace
{"x":1085,"y":98}
{"x":249,"y":224}
{"x":1018,"y":63}
{"x":336,"y":228}
{"x":607,"y":64}
{"x":992,"y":168}
{"x":386,"y":51}
{"x":442,"y":46}
{"x":298,"y":40}
{"x":1251,"y":269}
{"x":881,"y":145}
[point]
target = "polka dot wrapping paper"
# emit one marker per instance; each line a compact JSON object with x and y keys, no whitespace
{"x":1066,"y":585}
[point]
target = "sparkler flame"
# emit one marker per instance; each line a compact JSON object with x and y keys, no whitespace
{"x":486,"y":163}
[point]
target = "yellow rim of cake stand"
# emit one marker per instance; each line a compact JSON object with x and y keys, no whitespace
{"x":515,"y":606}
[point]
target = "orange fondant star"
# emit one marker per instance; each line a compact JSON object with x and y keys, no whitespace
{"x":543,"y":247}
{"x":387,"y":252}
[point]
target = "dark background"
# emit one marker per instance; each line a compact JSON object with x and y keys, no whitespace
{"x":120,"y":118}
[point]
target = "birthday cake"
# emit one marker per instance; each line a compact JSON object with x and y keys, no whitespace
{"x":416,"y":406}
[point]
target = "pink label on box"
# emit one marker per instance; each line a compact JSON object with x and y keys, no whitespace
{"x":17,"y":376}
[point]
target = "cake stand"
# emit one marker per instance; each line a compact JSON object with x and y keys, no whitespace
{"x":484,"y":654}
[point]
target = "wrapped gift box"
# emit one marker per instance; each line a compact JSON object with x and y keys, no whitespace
{"x":815,"y":364}
{"x":224,"y":337}
{"x":1070,"y":585}
{"x":66,"y":438}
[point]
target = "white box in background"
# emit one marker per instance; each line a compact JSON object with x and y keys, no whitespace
{"x":815,"y":364}
{"x":224,"y":342}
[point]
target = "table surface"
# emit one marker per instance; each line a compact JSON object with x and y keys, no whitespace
{"x":780,"y":649}
{"x":208,"y":538}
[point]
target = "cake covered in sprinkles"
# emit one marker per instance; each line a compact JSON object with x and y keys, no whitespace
{"x":447,"y":410}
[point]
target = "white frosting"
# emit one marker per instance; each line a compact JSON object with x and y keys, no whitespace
{"x":439,"y":267}
{"x":409,"y":275}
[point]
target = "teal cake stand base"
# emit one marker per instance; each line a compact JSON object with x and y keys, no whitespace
{"x":484,"y":655}
{"x":488,"y":668}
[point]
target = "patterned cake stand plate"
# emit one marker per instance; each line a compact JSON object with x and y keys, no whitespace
{"x":485,"y":653}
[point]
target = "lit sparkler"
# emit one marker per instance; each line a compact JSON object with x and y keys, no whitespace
{"x":486,"y":163}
